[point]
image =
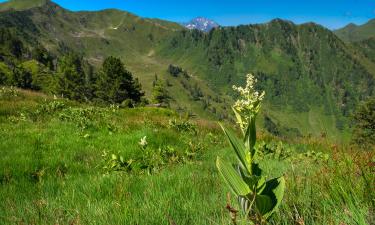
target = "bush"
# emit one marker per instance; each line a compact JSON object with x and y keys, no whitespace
{"x":21,"y":78}
{"x":174,"y":70}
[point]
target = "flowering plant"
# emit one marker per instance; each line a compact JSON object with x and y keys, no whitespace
{"x":257,"y":196}
{"x":143,"y":142}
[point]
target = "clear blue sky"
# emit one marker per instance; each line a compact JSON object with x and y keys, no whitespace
{"x":330,"y":13}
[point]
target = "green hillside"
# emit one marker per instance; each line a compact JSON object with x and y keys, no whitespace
{"x":21,"y":4}
{"x":367,"y":47}
{"x":353,"y":33}
{"x":300,"y":72}
{"x":304,"y":69}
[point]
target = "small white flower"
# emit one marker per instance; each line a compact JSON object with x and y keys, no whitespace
{"x":143,"y":142}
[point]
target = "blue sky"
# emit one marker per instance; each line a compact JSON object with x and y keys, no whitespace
{"x":330,"y":13}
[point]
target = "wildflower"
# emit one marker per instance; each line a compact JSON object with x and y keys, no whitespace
{"x":249,"y":103}
{"x":143,"y":142}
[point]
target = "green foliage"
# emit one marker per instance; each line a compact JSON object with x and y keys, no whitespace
{"x":22,"y":78}
{"x":176,"y":71}
{"x":115,"y":84}
{"x":50,"y":107}
{"x":276,"y":150}
{"x":10,"y":44}
{"x":182,"y":126}
{"x":7,"y":93}
{"x":83,"y":118}
{"x":42,"y":77}
{"x":364,"y":125}
{"x":149,"y":161}
{"x":40,"y":54}
{"x":282,"y":151}
{"x":5,"y":74}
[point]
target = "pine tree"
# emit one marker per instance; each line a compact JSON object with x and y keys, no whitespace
{"x":160,"y":94}
{"x":71,"y":78}
{"x":115,"y":84}
{"x":364,"y":130}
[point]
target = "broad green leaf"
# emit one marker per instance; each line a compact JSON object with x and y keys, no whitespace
{"x":231,"y":177}
{"x":275,"y":190}
{"x":261,"y":184}
{"x":256,"y":182}
{"x":238,"y":147}
{"x":263,"y":204}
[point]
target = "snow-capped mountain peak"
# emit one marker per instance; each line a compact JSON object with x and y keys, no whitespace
{"x":201,"y":23}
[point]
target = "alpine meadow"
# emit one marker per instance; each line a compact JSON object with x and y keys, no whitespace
{"x":107,"y":117}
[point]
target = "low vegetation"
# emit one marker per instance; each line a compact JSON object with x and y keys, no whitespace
{"x":82,"y":142}
{"x":65,"y":162}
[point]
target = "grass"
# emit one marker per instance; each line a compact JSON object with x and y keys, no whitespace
{"x":52,"y":172}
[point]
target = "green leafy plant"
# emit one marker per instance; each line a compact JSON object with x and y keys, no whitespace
{"x":257,"y":196}
{"x":150,"y":160}
{"x":183,"y":126}
{"x":276,"y":150}
{"x":6,"y":93}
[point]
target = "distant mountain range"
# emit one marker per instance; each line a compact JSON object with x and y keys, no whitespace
{"x":201,"y":23}
{"x":312,"y":78}
{"x":353,"y":32}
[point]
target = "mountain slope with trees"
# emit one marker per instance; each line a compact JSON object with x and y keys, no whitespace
{"x":304,"y":69}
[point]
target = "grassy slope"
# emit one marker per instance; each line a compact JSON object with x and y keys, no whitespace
{"x":51,"y":173}
{"x":21,"y":4}
{"x":354,"y":33}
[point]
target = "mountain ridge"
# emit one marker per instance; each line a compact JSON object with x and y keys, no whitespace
{"x":201,"y":23}
{"x":305,"y":69}
{"x":354,"y":33}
